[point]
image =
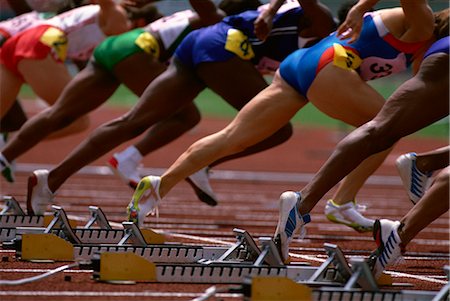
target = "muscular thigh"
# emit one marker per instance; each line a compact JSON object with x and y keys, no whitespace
{"x":235,"y":80}
{"x":343,"y":95}
{"x":138,"y":70}
{"x":9,"y":88}
{"x":266,"y":113}
{"x":46,"y":77}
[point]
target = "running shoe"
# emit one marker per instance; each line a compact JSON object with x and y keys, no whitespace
{"x":8,"y":168}
{"x":414,"y":181}
{"x":145,"y":200}
{"x":200,"y":183}
{"x":125,"y":169}
{"x":290,"y":222}
{"x":390,"y":247}
{"x":349,"y":215}
{"x":39,"y":196}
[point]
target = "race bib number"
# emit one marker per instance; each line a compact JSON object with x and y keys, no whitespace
{"x":57,"y":40}
{"x":345,"y":58}
{"x":238,"y":43}
{"x":148,"y":44}
{"x":376,"y":67}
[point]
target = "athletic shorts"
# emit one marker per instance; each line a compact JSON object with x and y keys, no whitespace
{"x":35,"y":43}
{"x":217,"y":43}
{"x":300,"y":68}
{"x":115,"y":49}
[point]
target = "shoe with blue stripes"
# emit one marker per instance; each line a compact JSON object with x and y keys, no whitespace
{"x":390,"y":247}
{"x":290,"y":222}
{"x":414,"y":181}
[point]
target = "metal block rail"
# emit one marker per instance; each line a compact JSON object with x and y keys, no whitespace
{"x":273,"y":288}
{"x":12,"y":225}
{"x":14,"y":221}
{"x":232,"y":267}
{"x":49,"y":246}
{"x":260,"y":262}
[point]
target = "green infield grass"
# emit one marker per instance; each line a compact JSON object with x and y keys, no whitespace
{"x":213,"y":106}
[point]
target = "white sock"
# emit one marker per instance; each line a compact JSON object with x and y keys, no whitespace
{"x":4,"y":160}
{"x":130,"y":153}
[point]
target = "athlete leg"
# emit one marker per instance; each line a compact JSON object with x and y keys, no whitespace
{"x":225,"y":79}
{"x":14,"y":118}
{"x":433,"y":204}
{"x":173,"y":89}
{"x":354,"y":102}
{"x":407,"y":110}
{"x":137,"y":72}
{"x":49,"y":86}
{"x":10,"y":85}
{"x":90,"y":88}
{"x":266,"y":113}
{"x":433,"y":160}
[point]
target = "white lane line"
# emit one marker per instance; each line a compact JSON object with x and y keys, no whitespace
{"x":112,"y":294}
{"x":419,"y":277}
{"x":285,"y":177}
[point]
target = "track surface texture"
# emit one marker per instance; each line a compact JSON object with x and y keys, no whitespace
{"x":248,"y":190}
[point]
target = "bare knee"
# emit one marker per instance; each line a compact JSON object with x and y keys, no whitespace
{"x":377,"y":136}
{"x":187,"y":118}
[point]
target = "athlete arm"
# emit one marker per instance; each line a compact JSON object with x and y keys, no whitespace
{"x":320,"y":18}
{"x":351,"y":27}
{"x":113,"y":18}
{"x":419,"y":20}
{"x":263,"y":24}
{"x":207,"y":11}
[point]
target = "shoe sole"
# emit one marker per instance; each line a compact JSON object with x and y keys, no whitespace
{"x":32,"y":182}
{"x":404,"y":169}
{"x":204,"y":197}
{"x":283,"y":221}
{"x":139,"y":193}
{"x":356,"y":227}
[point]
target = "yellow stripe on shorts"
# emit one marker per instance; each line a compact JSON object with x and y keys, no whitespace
{"x":57,"y":40}
{"x":345,"y":58}
{"x":148,"y":44}
{"x":238,"y":43}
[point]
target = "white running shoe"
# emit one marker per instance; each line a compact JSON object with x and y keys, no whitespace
{"x":39,"y":196}
{"x":390,"y":248}
{"x":290,"y":223}
{"x":127,"y":170}
{"x":145,"y":200}
{"x":200,"y":183}
{"x":414,"y":181}
{"x":349,"y":215}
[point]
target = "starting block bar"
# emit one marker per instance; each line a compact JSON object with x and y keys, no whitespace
{"x":106,"y":269}
{"x":279,"y":288}
{"x":63,"y":227}
{"x":244,"y":259}
{"x":164,"y":252}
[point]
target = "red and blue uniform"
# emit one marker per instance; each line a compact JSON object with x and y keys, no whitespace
{"x":377,"y":53}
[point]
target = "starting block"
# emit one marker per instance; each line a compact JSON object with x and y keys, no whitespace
{"x":12,"y":216}
{"x":244,"y":259}
{"x":60,"y":225}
